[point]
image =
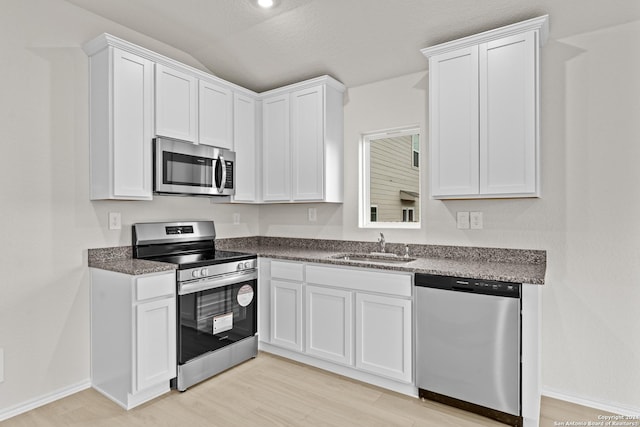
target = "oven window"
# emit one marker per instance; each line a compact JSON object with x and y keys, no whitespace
{"x":182,"y":169}
{"x":212,"y":319}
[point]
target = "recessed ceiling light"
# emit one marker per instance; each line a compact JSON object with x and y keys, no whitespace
{"x":265,"y":3}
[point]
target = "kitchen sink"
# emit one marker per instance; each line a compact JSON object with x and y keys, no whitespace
{"x":376,"y":257}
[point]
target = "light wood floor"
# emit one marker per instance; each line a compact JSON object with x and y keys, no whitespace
{"x":271,"y":391}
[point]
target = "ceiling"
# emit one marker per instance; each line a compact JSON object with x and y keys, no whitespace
{"x":355,"y":41}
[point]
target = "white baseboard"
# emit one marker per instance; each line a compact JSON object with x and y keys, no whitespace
{"x":43,"y":400}
{"x":602,"y":406}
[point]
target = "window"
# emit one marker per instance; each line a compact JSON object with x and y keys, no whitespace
{"x":390,"y":179}
{"x":374,"y":213}
{"x":407,"y":215}
{"x":415,"y":150}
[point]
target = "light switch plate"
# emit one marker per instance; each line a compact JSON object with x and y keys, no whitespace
{"x":236,"y":218}
{"x":476,"y":220}
{"x":463,"y":220}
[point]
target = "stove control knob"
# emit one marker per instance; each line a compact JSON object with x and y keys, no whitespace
{"x":204,"y":272}
{"x":248,"y":264}
{"x":240,"y":266}
{"x":195,"y":273}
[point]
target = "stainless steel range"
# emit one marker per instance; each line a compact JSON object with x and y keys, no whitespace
{"x":217,"y":296}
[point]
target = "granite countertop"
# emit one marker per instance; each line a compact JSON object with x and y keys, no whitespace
{"x":509,"y":265}
{"x":119,"y":259}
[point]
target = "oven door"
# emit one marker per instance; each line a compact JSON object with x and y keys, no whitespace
{"x":215,"y":313}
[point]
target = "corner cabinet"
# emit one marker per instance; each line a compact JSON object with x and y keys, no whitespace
{"x":302,"y":142}
{"x":355,"y":322}
{"x":133,"y":335}
{"x":246,"y":148}
{"x":121,"y":116}
{"x":484,"y":113}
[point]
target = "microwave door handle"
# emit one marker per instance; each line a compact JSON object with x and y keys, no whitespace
{"x":220,"y":186}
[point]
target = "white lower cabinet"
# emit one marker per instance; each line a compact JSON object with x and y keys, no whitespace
{"x":133,"y":335}
{"x":286,"y":314}
{"x":383,"y":328}
{"x":328,"y":323}
{"x":353,"y":321}
{"x":155,"y":342}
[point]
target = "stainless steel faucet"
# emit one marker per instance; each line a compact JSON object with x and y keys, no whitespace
{"x":382,"y":242}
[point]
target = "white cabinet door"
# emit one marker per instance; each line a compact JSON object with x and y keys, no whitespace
{"x":328,"y":315}
{"x":383,"y":336}
{"x":276,"y":165}
{"x":121,"y":125}
{"x":307,"y":144}
{"x":132,"y":126}
{"x":483,"y":109}
{"x":215,"y":115}
{"x":176,"y":104}
{"x":286,"y":314}
{"x":453,"y":107}
{"x":155,"y":353}
{"x":508,"y":115}
{"x":244,"y":133}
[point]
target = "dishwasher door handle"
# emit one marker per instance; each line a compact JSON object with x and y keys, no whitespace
{"x":462,"y":289}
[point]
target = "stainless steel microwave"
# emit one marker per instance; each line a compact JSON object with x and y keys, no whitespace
{"x":184,"y":168}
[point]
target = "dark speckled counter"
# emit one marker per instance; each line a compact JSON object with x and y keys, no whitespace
{"x":119,"y":259}
{"x":510,"y":265}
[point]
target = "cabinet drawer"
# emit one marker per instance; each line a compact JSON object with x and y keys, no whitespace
{"x":287,"y":270}
{"x":361,"y":280}
{"x":155,"y":286}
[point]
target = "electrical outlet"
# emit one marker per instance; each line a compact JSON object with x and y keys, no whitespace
{"x":313,"y":215}
{"x":236,"y":219}
{"x":115,"y":221}
{"x":1,"y":365}
{"x":476,"y":220}
{"x":463,"y":220}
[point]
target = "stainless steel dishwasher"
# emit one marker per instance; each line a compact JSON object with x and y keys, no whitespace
{"x":468,"y":345}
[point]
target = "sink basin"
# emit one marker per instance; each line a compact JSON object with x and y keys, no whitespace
{"x":374,"y":257}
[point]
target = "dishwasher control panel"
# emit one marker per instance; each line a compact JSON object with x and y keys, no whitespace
{"x":460,"y":284}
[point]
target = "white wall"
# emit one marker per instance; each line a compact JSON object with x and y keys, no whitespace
{"x":587,"y":219}
{"x":46,"y":218}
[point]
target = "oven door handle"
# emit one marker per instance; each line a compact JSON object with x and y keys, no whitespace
{"x":213,"y":283}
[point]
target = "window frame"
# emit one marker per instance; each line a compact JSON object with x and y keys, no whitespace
{"x":364,"y":177}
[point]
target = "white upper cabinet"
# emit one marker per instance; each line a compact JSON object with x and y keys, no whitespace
{"x":246,"y":147}
{"x":121,"y":125}
{"x":508,"y":137}
{"x":215,"y":115}
{"x":453,"y":103}
{"x":276,"y":156}
{"x":288,"y":141}
{"x":483,"y":108}
{"x":303,"y":142}
{"x":307,"y":148}
{"x":193,"y":109}
{"x":176,"y":104}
